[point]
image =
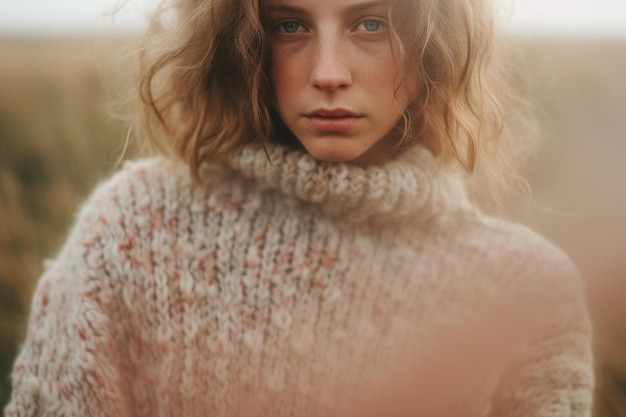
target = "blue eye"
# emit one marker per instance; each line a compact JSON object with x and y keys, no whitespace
{"x":371,"y":25}
{"x":288,"y":27}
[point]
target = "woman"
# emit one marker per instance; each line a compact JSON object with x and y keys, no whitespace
{"x":309,"y":234}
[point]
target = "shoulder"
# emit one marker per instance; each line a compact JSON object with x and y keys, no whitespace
{"x":121,"y":212}
{"x":506,"y":238}
{"x":138,"y":192}
{"x":153,"y":212}
{"x":509,"y":253}
{"x":137,"y":186}
{"x":517,"y":274}
{"x":128,"y":228}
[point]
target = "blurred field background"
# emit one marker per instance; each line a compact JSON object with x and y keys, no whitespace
{"x":57,"y":140}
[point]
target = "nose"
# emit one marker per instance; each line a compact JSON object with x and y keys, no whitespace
{"x":331,"y":64}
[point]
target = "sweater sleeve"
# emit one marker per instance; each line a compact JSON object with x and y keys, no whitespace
{"x":70,"y":363}
{"x":67,"y":365}
{"x":553,"y":376}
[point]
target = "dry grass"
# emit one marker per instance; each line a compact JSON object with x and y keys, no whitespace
{"x":57,"y":141}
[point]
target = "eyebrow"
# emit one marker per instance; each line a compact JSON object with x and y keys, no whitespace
{"x":281,"y":7}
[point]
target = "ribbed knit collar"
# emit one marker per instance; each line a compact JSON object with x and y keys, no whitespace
{"x":407,"y":185}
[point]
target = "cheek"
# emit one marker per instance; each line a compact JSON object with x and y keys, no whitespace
{"x":284,"y":75}
{"x":396,"y":83}
{"x":276,"y":77}
{"x":382,"y":73}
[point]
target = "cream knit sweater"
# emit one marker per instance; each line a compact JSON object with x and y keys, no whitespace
{"x":277,"y":288}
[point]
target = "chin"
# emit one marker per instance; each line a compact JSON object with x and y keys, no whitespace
{"x":359,"y":148}
{"x":349,"y":151}
{"x":335,"y":154}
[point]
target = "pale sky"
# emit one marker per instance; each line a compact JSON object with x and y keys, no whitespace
{"x":565,"y":17}
{"x":533,"y":17}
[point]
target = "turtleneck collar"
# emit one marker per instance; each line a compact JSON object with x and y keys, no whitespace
{"x":411,"y":184}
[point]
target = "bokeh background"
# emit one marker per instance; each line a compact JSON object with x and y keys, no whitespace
{"x":59,"y":136}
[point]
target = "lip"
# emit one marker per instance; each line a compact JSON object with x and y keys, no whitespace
{"x":336,"y":112}
{"x":332,"y":120}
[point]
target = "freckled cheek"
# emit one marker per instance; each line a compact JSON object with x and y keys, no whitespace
{"x":286,"y":75}
{"x":389,"y":74}
{"x":376,"y":62}
{"x":382,"y":78}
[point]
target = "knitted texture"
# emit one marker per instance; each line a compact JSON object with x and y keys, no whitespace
{"x":276,"y":287}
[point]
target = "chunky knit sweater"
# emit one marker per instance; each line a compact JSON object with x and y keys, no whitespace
{"x":278,"y":287}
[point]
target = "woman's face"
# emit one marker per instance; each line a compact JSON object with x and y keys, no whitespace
{"x":334,"y":77}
